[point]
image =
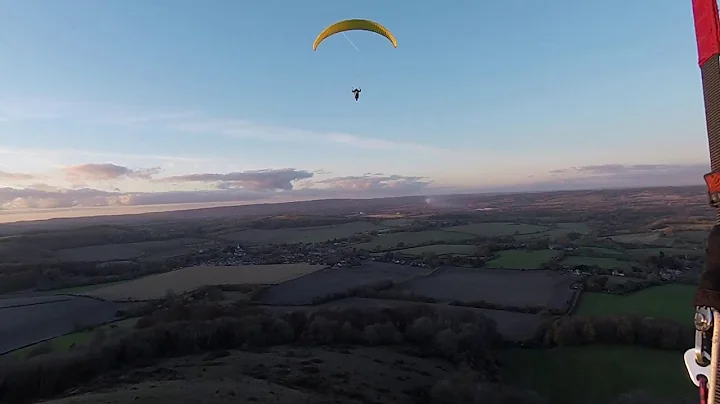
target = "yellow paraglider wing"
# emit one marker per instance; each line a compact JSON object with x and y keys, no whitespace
{"x":351,"y":25}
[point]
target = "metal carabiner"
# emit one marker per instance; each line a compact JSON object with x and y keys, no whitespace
{"x":698,"y":359}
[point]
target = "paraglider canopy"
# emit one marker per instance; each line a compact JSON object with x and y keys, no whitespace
{"x":352,"y":25}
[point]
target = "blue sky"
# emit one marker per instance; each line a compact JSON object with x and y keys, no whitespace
{"x":478,"y":94}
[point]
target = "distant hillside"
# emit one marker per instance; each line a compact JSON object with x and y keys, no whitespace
{"x":324,"y":206}
{"x":691,"y":198}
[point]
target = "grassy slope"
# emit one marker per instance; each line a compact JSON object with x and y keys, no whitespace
{"x":668,"y":301}
{"x":583,"y":374}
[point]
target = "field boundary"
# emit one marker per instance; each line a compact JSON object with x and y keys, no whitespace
{"x":265,"y":291}
{"x":415,"y":276}
{"x":574,"y":304}
{"x":15,"y":306}
{"x":100,"y":299}
{"x":658,"y":285}
{"x":117,"y":320}
{"x":387,"y":283}
{"x":33,"y":343}
{"x":188,"y":279}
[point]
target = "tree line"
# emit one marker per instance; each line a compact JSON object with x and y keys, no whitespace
{"x":644,"y":331}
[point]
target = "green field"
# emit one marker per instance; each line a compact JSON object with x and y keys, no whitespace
{"x":522,"y":259}
{"x":596,"y":374}
{"x":82,"y":338}
{"x":496,"y":229}
{"x":607,"y":263}
{"x":667,"y":301}
{"x":441,"y":249}
{"x":412,"y":238}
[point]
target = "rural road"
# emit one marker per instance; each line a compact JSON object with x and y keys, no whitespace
{"x":26,"y":320}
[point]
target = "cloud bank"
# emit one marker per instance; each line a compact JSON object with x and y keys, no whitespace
{"x":96,"y":185}
{"x":637,"y":175}
{"x":279,"y":179}
{"x":247,"y":186}
{"x":603,"y":176}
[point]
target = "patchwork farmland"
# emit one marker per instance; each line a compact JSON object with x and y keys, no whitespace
{"x":304,"y":290}
{"x":28,"y":320}
{"x":481,"y":245}
{"x":513,"y":288}
{"x":188,"y":279}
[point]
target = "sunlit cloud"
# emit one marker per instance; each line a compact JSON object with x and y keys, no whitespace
{"x":84,"y":173}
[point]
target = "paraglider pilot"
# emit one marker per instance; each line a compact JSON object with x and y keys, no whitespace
{"x":357,"y":93}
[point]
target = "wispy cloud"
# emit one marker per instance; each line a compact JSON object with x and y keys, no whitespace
{"x":7,"y":176}
{"x":71,"y":153}
{"x":627,"y":169}
{"x":32,"y":109}
{"x":190,"y":121}
{"x":247,"y":129}
{"x":630,"y":175}
{"x":150,"y":118}
{"x":16,"y":110}
{"x":446,"y":164}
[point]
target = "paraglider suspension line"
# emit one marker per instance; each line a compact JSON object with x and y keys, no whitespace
{"x":351,"y":42}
